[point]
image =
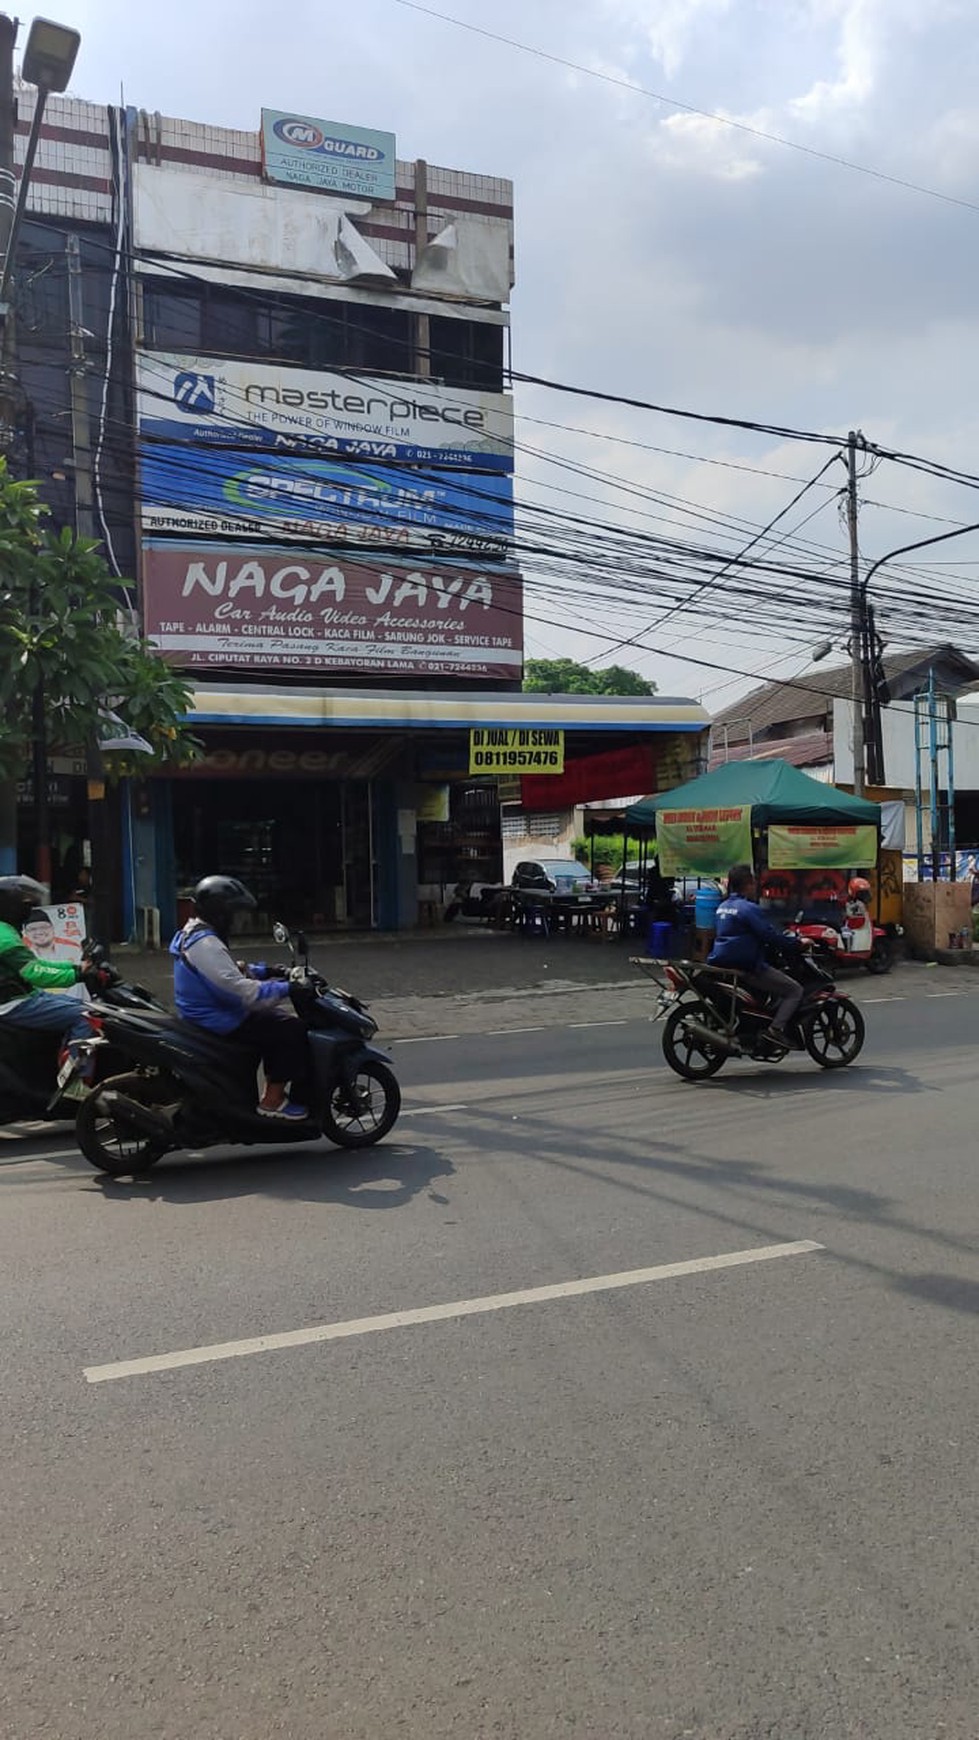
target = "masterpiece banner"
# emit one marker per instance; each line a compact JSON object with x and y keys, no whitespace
{"x":265,"y":608}
{"x":221,"y":402}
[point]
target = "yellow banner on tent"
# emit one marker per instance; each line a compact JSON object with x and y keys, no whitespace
{"x":822,"y":848}
{"x":704,"y":841}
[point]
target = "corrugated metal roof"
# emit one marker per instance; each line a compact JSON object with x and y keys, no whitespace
{"x":249,"y":704}
{"x":810,"y":696}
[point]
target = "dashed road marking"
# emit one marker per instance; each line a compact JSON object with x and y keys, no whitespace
{"x":422,"y":1111}
{"x":223,"y":1350}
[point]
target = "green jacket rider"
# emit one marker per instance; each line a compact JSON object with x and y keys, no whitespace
{"x":28,"y":986}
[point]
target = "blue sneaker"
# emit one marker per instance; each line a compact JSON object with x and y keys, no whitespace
{"x":288,"y":1110}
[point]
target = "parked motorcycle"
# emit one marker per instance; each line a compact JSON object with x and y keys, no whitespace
{"x":853,"y":942}
{"x":185,"y":1088}
{"x":713,"y":1014}
{"x":38,"y":1079}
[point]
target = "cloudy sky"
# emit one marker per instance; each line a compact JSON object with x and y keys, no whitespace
{"x":664,"y":256}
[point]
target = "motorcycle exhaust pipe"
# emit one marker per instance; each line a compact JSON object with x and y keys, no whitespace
{"x":134,"y":1116}
{"x":718,"y":1041}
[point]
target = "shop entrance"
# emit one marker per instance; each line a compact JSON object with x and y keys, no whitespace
{"x":303,"y":847}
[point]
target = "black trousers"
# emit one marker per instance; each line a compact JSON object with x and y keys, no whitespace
{"x":281,"y":1043}
{"x":777,"y":984}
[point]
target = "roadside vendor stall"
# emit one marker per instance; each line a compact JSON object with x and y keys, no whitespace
{"x":805,"y":839}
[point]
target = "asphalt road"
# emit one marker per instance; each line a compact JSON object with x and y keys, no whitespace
{"x":734,"y":1502}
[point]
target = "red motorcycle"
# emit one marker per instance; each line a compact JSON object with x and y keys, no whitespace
{"x":853,"y":941}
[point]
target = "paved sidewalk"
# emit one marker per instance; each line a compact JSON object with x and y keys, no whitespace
{"x":453,"y":980}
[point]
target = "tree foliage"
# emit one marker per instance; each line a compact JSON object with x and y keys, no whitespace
{"x":62,"y":628}
{"x":565,"y":677}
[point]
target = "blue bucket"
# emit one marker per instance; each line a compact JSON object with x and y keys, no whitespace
{"x":705,"y":905}
{"x":659,"y":940}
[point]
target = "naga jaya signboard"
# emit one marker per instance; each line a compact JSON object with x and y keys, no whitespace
{"x":223,"y":402}
{"x":247,"y":608}
{"x":225,"y":492}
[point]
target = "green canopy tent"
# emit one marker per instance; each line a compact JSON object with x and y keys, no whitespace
{"x":719,"y":819}
{"x":775,"y":791}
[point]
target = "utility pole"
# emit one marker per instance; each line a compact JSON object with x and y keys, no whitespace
{"x":857,"y":630}
{"x":8,"y":417}
{"x":100,"y":843}
{"x":81,"y":428}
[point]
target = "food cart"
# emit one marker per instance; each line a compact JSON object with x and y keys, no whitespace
{"x":804,"y":839}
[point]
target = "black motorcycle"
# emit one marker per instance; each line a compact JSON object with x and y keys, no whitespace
{"x":713,"y":1013}
{"x":186,"y":1088}
{"x":38,"y":1079}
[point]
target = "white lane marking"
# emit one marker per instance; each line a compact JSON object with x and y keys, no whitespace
{"x":622,"y":1022}
{"x":494,"y":1032}
{"x":29,"y":1159}
{"x":423,"y":1111}
{"x":221,"y":1350}
{"x":430,"y":1038}
{"x":883,"y":1000}
{"x":944,"y":993}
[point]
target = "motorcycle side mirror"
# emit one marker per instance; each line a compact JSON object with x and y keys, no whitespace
{"x":279,"y":932}
{"x":798,"y":918}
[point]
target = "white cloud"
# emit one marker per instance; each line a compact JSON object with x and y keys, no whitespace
{"x":659,"y":254}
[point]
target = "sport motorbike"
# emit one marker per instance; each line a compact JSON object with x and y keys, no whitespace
{"x":39,"y":1079}
{"x":713,"y":1014}
{"x":846,"y":941}
{"x":182,"y":1087}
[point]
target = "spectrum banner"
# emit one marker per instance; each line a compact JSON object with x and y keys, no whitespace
{"x":223,"y":492}
{"x":821,"y":848}
{"x":707,"y":842}
{"x":227,"y":403}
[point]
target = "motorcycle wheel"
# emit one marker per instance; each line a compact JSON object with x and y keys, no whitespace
{"x":881,"y":959}
{"x":362,"y":1113}
{"x":834,"y":1036}
{"x":685,"y":1052}
{"x":119,"y":1152}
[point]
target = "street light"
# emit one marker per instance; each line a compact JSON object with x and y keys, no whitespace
{"x":871,"y":648}
{"x":49,"y":58}
{"x":49,"y":61}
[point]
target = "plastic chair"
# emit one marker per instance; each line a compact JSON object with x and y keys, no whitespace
{"x":534,"y":920}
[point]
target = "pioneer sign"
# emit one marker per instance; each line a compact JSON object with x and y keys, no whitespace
{"x":258,"y":608}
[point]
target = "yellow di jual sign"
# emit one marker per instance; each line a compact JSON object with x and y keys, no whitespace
{"x":519,"y":749}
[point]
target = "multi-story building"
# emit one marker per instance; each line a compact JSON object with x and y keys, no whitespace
{"x":302,"y":447}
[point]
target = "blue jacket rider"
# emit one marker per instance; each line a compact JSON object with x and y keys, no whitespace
{"x":250,"y":1006}
{"x":742,"y":934}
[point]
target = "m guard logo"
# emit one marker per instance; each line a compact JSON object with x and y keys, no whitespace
{"x":304,"y":134}
{"x":307,"y":136}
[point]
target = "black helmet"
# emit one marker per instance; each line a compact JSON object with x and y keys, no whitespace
{"x":218,"y":898}
{"x":18,"y":894}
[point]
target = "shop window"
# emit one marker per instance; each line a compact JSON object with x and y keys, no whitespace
{"x":467,"y":353}
{"x":172,"y":317}
{"x":216,"y":320}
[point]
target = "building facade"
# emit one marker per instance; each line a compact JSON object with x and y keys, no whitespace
{"x":300,"y":446}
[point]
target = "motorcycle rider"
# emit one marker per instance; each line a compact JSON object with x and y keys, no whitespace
{"x":28,"y":985}
{"x":857,"y":931}
{"x":215,"y":992}
{"x":742,"y":934}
